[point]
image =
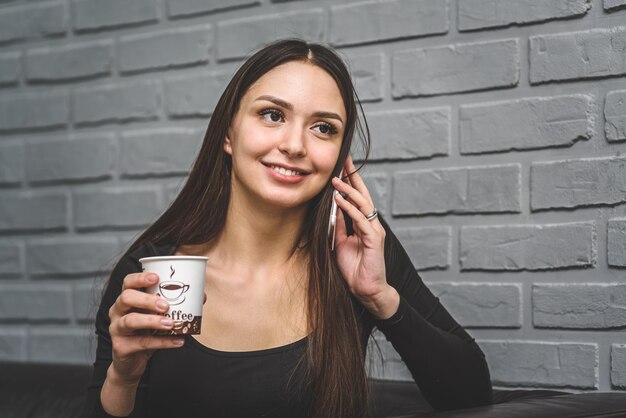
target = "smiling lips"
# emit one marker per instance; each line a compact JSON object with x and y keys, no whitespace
{"x":285,"y":175}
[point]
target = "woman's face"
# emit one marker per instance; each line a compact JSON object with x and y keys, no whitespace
{"x":286,"y":136}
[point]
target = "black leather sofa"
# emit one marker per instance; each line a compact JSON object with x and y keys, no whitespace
{"x":30,"y":390}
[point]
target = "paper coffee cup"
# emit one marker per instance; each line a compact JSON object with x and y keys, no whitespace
{"x":181,"y":284}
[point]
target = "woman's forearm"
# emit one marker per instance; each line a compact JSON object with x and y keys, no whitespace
{"x":118,"y":396}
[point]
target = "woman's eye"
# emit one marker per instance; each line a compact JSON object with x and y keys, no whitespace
{"x":271,"y":115}
{"x":326,"y":128}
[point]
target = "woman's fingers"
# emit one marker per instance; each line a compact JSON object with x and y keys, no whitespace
{"x":361,"y":202}
{"x":132,"y":299}
{"x":358,"y":219}
{"x":140,"y":280}
{"x":135,"y":321}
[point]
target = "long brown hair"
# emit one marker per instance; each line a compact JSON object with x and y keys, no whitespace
{"x":335,"y":353}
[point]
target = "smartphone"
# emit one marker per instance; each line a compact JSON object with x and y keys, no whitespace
{"x":332,"y":221}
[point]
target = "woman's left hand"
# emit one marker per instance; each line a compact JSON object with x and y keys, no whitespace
{"x":361,"y":256}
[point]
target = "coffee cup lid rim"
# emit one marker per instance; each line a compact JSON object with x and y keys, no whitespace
{"x":173,"y":257}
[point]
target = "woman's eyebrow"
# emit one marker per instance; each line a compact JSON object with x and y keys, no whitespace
{"x":276,"y":101}
{"x":289,"y":106}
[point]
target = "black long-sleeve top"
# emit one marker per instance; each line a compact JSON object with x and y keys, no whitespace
{"x":197,"y":381}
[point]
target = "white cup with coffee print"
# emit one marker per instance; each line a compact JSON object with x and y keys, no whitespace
{"x":181,"y":284}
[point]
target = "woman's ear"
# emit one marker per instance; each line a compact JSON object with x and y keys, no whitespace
{"x":228,"y":146}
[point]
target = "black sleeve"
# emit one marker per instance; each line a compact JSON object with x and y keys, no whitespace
{"x":93,"y":406}
{"x":445,"y":362}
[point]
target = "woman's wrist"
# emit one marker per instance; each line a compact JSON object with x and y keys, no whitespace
{"x":384,"y":304}
{"x":116,"y":379}
{"x":118,"y":395}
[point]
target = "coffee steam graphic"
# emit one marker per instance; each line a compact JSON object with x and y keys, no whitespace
{"x":173,"y":291}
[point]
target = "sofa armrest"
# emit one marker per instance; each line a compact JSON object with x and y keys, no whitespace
{"x":596,"y":404}
{"x":34,"y":390}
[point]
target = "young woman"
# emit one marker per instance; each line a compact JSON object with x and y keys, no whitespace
{"x":286,"y":320}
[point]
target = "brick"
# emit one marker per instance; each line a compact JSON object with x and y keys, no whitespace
{"x":527,"y":247}
{"x":62,"y":345}
{"x":96,"y":15}
{"x":28,"y":211}
{"x":455,"y":68}
{"x":483,"y":189}
{"x":32,"y":21}
{"x":618,"y":366}
{"x":72,"y":255}
{"x":239,"y":37}
{"x":427,"y":247}
{"x":384,"y":362}
{"x":194,"y":96}
{"x":615,"y":115}
{"x":479,"y":14}
{"x":69,"y":62}
{"x":514,"y":363}
{"x":115,"y":208}
{"x":12,"y":344}
{"x":480,"y":305}
{"x":612,"y":5}
{"x":378,"y":186}
{"x":9,"y":68}
{"x":34,"y":110}
{"x":11,"y":260}
{"x":178,"y":8}
{"x":86,"y":297}
{"x":366,"y":71}
{"x":575,"y":55}
{"x":117,"y":103}
{"x":373,"y":21}
{"x":87,"y":158}
{"x":572,"y":183}
{"x":40,"y":302}
{"x":539,"y":122}
{"x":165,"y":49}
{"x":616,"y":237}
{"x":579,"y":306}
{"x":11,"y":163}
{"x":165,"y":151}
{"x":410,"y":134}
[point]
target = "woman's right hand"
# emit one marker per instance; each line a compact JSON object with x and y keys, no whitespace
{"x":134,"y":316}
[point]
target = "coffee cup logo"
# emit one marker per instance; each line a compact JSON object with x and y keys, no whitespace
{"x":172,"y":290}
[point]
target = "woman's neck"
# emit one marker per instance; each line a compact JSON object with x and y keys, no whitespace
{"x":256,"y":238}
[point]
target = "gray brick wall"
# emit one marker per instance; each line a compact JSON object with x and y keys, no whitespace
{"x":498,"y":157}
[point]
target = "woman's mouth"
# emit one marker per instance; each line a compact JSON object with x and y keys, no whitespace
{"x":285,"y":172}
{"x":285,"y":175}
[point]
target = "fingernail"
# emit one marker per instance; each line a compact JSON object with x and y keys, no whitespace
{"x":167,"y":322}
{"x":152,"y":278}
{"x":162,"y":304}
{"x":179,"y":341}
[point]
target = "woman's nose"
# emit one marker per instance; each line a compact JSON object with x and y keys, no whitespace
{"x":292,"y":143}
